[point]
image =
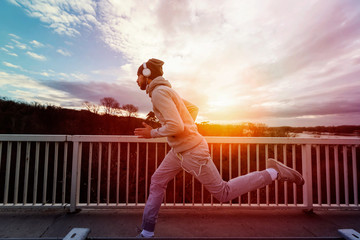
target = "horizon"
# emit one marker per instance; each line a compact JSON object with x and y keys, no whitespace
{"x":143,"y":116}
{"x":278,"y":63}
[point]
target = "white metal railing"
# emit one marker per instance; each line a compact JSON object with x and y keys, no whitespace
{"x":114,"y":171}
{"x":19,"y":154}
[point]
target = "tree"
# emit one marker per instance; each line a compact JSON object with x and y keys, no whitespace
{"x":130,"y":109}
{"x":257,"y":129}
{"x":110,"y":105}
{"x":92,"y":107}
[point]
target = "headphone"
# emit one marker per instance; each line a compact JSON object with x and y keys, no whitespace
{"x":146,"y":71}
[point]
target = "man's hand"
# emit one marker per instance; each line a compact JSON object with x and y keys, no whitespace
{"x":143,"y":132}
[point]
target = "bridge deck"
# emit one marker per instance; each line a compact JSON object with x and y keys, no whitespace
{"x":180,"y":223}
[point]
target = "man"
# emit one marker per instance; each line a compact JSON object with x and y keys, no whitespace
{"x":189,"y":150}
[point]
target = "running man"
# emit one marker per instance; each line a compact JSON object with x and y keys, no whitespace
{"x":189,"y":150}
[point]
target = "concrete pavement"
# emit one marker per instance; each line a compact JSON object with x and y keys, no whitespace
{"x":177,"y":222}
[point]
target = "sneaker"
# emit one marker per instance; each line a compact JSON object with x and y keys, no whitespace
{"x":285,"y":173}
{"x":142,"y":236}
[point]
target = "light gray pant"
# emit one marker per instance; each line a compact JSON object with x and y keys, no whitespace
{"x":198,"y":162}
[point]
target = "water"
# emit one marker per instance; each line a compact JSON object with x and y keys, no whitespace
{"x":323,"y":135}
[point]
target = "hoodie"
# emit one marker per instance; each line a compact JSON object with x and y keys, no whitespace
{"x":176,"y":116}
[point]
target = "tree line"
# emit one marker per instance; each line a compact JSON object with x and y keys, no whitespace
{"x":110,"y":118}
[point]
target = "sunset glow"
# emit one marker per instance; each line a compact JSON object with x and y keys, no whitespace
{"x":293,"y":63}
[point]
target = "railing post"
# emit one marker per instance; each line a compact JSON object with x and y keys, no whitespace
{"x":74,"y":174}
{"x":307,"y":174}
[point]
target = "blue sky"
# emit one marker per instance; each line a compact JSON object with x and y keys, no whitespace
{"x":276,"y":62}
{"x":29,"y":47}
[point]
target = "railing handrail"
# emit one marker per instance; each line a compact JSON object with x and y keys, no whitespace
{"x":210,"y":139}
{"x":34,"y":137}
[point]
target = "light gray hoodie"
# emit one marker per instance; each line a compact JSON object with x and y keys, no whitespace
{"x":176,"y":116}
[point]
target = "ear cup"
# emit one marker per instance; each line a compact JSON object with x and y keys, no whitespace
{"x":146,"y":72}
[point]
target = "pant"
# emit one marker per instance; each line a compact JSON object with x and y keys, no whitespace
{"x":197,"y":161}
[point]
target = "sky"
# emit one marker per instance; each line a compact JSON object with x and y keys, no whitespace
{"x":276,"y":62}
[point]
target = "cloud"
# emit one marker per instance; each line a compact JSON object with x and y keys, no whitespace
{"x":64,"y":75}
{"x":27,"y":89}
{"x":63,"y":16}
{"x":45,"y":74}
{"x":8,"y":52}
{"x":4,"y":49}
{"x":12,"y":54}
{"x":94,"y":91}
{"x":36,"y":56}
{"x":14,"y":36}
{"x":19,"y":44}
{"x":79,"y":76}
{"x":17,"y":80}
{"x":36,"y":43}
{"x":64,"y":52}
{"x":11,"y":65}
{"x":14,"y":2}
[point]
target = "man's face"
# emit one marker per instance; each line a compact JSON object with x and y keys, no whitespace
{"x":141,"y":81}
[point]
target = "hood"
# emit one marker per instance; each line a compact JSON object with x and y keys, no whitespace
{"x":157,"y":82}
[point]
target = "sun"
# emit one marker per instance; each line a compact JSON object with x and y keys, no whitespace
{"x":221,"y":106}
